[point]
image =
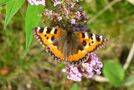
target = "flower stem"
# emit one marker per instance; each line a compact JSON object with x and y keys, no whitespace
{"x":103,"y":10}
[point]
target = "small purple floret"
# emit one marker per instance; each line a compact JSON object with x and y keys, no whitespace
{"x":88,"y":69}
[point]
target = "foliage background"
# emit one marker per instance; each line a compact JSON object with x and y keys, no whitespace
{"x":24,"y":65}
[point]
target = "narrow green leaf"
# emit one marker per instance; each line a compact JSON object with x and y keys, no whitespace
{"x":3,"y":2}
{"x":74,"y":87}
{"x":31,"y":20}
{"x":114,"y":72}
{"x":11,"y":9}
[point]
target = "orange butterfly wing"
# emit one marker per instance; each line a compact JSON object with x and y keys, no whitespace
{"x":89,"y":43}
{"x":46,"y":37}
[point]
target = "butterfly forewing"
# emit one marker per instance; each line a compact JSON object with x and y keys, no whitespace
{"x":49,"y":38}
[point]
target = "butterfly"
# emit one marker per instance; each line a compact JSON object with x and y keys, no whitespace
{"x":68,"y":46}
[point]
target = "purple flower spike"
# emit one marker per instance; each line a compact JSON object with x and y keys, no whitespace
{"x":88,"y":69}
{"x":73,"y":73}
{"x":74,"y":77}
{"x":37,"y":2}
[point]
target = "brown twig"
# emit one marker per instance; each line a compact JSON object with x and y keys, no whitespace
{"x":100,"y":78}
{"x":129,"y":58}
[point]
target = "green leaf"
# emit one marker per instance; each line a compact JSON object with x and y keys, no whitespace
{"x":61,"y":65}
{"x":74,"y":87}
{"x":114,"y":72}
{"x":39,"y":84}
{"x":129,"y":81}
{"x":11,"y":9}
{"x":31,"y":20}
{"x":3,"y":2}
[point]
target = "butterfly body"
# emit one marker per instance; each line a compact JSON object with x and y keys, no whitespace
{"x":67,"y":45}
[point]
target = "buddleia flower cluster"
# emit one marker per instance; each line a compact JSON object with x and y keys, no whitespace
{"x":63,"y":13}
{"x":69,"y":15}
{"x":89,"y":68}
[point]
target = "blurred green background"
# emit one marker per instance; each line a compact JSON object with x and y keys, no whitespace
{"x":24,"y":65}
